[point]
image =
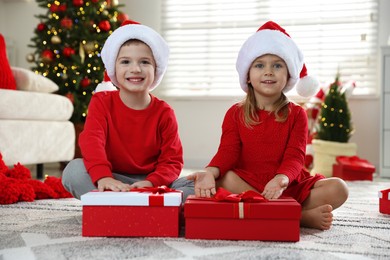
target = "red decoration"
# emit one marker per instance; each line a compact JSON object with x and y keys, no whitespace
{"x":105,"y":25}
{"x":78,"y":3}
{"x":56,"y":184}
{"x":54,"y":8}
{"x":62,"y":7}
{"x":41,"y":27}
{"x":122,"y":17}
{"x":66,"y":23}
{"x":68,"y":51}
{"x":70,"y":96}
{"x":16,"y":185}
{"x":47,"y":56}
{"x":85,"y":82}
{"x":95,"y":1}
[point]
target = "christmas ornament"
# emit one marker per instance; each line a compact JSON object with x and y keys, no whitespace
{"x":122,"y":17}
{"x":68,"y":51}
{"x":78,"y":3}
{"x":55,"y":39}
{"x":85,"y":82}
{"x":81,"y":53}
{"x":47,"y":56}
{"x":70,"y":96}
{"x":104,"y":25}
{"x":54,"y":8}
{"x":66,"y":23}
{"x":30,"y":57}
{"x":95,"y":1}
{"x":41,"y":27}
{"x":89,"y":47}
{"x":62,"y":8}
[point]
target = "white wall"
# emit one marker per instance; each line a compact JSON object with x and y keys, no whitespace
{"x":200,"y":119}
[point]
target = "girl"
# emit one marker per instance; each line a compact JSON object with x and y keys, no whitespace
{"x":263,"y":139}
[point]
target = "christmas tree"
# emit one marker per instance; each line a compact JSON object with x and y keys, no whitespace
{"x":335,"y":119}
{"x":68,"y":41}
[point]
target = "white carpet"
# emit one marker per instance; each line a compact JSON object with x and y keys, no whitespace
{"x":51,"y":229}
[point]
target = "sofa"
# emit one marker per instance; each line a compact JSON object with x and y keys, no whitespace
{"x":34,"y":122}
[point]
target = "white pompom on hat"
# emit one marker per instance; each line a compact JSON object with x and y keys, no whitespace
{"x":134,"y":30}
{"x":105,"y":85}
{"x":270,"y":38}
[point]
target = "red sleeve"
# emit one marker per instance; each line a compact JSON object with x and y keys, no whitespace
{"x":294,"y":155}
{"x":170,"y":161}
{"x":230,"y":145}
{"x":92,"y":140}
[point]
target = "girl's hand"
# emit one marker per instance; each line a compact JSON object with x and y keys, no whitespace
{"x":275,"y":187}
{"x":204,"y":182}
{"x":141,"y":184}
{"x":109,"y":183}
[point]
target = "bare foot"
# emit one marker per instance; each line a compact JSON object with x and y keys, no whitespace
{"x":319,"y":218}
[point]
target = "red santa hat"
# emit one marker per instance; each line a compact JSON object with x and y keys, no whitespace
{"x":270,"y":38}
{"x":105,"y":85}
{"x":134,"y":30}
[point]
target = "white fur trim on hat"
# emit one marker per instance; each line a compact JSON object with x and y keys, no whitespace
{"x":140,"y":32}
{"x":276,"y":42}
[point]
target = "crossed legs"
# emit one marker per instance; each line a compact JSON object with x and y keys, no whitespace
{"x":325,"y":196}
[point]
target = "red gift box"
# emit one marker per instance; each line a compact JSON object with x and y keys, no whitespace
{"x":384,"y":201}
{"x":131,"y":214}
{"x":273,"y":220}
{"x":353,"y":168}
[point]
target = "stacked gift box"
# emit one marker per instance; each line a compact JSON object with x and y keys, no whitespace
{"x":384,"y":201}
{"x":353,"y":168}
{"x":146,"y":213}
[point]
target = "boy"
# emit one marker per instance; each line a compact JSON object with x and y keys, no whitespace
{"x":130,"y":138}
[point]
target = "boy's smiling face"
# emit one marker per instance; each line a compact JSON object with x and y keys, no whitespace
{"x":135,"y":67}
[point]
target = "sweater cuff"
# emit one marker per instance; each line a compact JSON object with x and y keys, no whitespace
{"x":155,"y":181}
{"x":98,"y":172}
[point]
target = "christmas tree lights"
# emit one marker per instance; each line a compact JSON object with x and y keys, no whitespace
{"x":335,"y":118}
{"x":67,"y":43}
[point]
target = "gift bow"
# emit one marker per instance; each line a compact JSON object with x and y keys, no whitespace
{"x":246,"y":196}
{"x":155,"y":199}
{"x":156,"y":190}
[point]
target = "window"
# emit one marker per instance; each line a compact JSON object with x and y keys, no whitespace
{"x":206,"y":35}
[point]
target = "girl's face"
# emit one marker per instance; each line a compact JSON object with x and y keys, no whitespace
{"x":268,"y":76}
{"x":135,"y":67}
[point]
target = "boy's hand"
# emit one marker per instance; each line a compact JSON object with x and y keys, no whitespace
{"x":275,"y":187}
{"x":141,"y":184}
{"x":109,"y":183}
{"x":204,"y":183}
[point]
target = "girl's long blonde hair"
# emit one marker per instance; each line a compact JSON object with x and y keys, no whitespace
{"x":250,"y":108}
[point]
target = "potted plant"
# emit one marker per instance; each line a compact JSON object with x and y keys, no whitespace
{"x":333,"y":130}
